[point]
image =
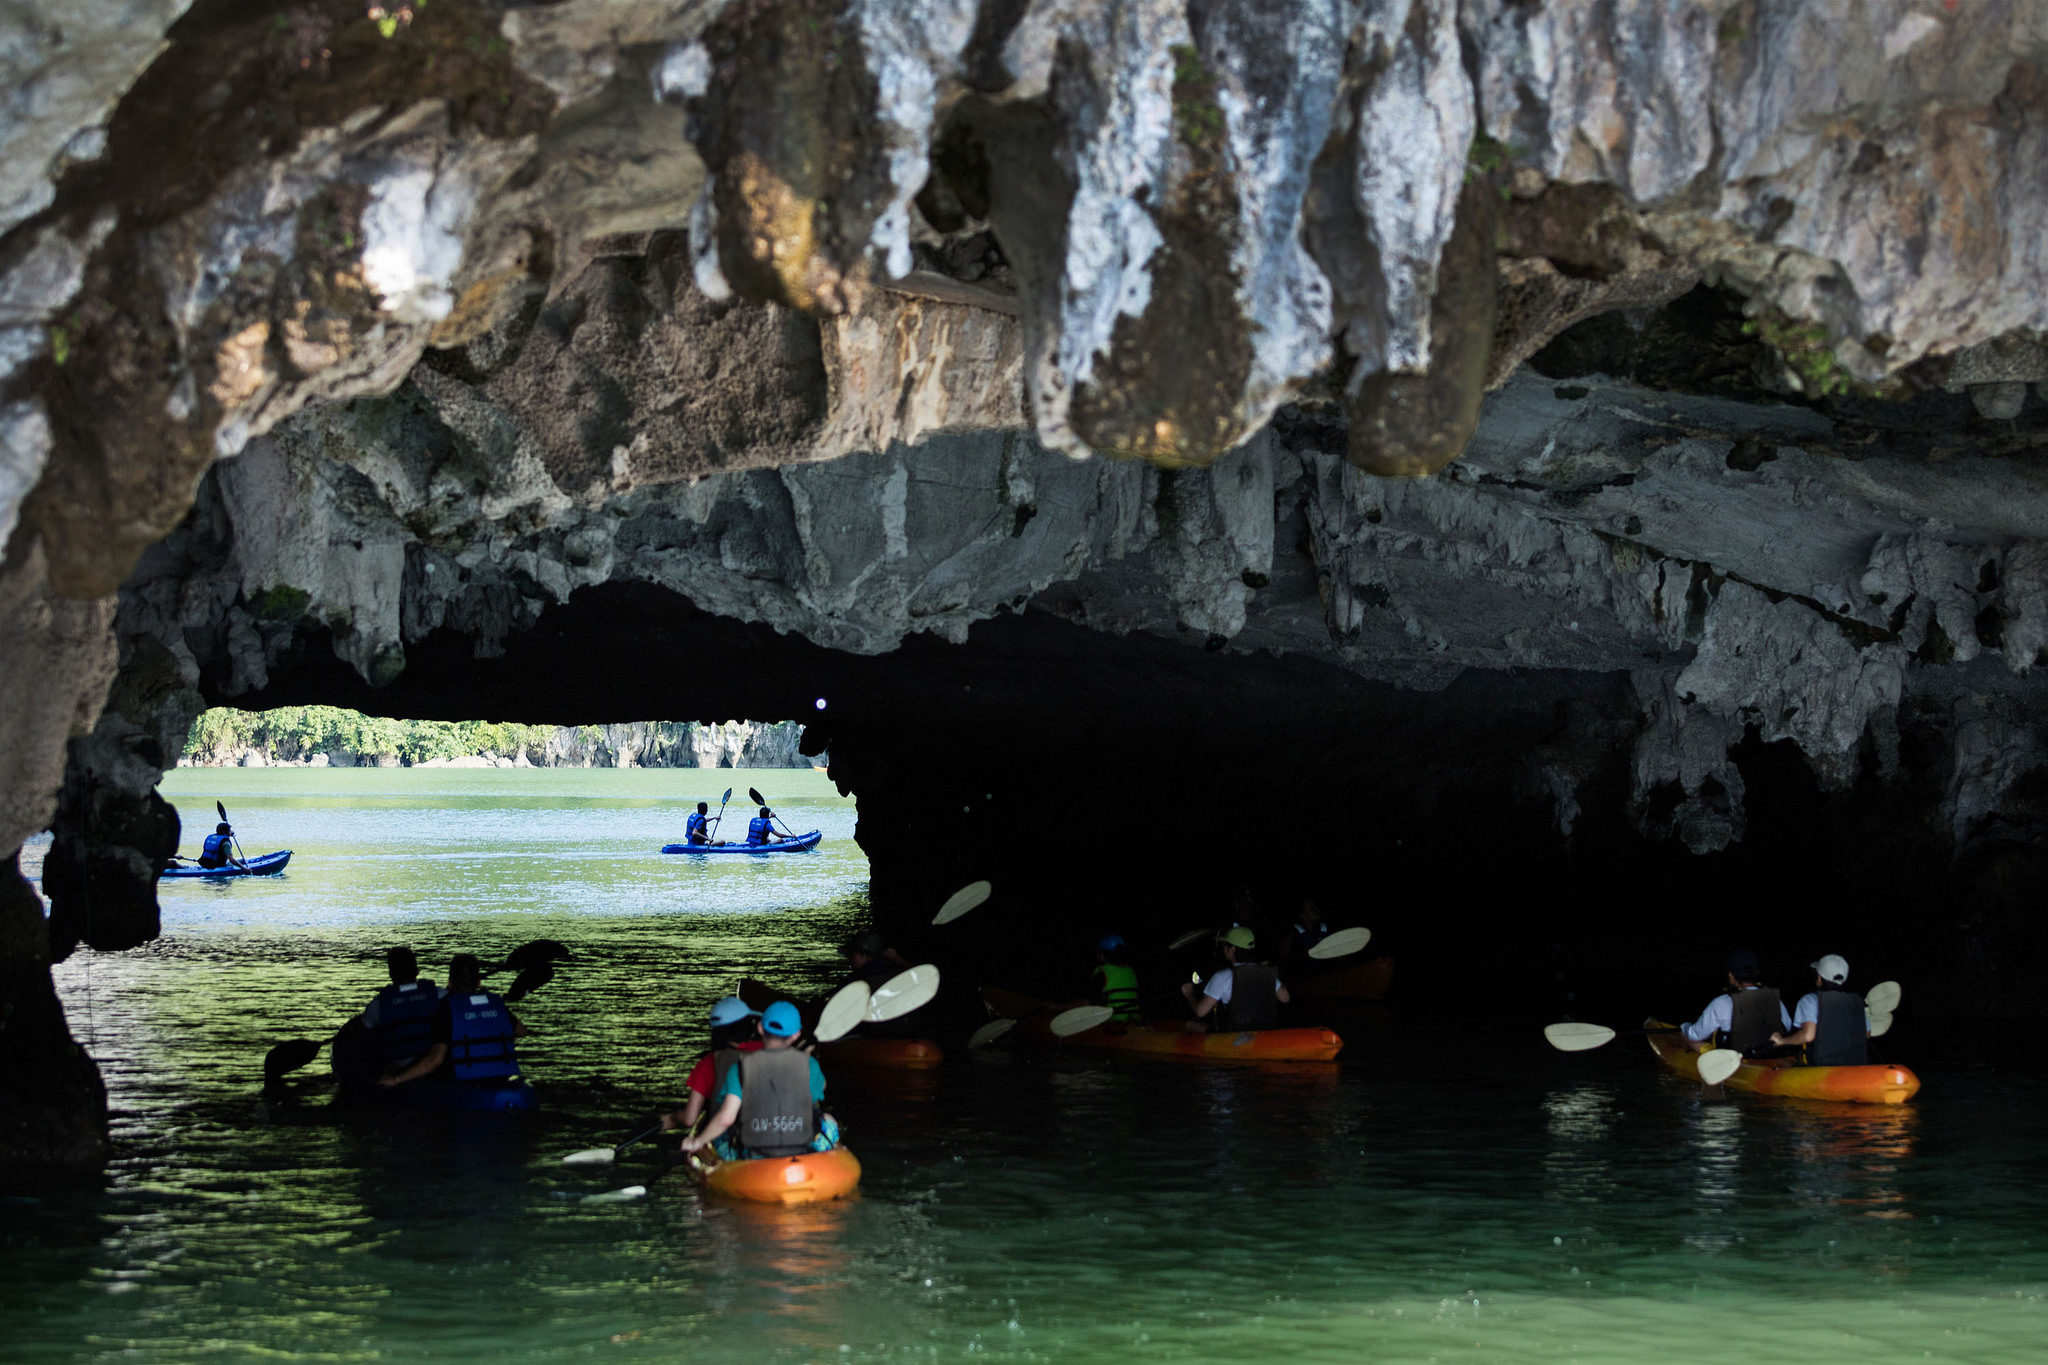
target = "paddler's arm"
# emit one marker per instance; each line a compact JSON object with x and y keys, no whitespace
{"x":720,"y":1121}
{"x":1285,"y":998}
{"x":436,"y":1054}
{"x":1800,"y":1037}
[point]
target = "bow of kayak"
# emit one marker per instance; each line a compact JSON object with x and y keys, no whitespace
{"x":262,"y":865}
{"x":1783,"y":1076}
{"x":1165,"y":1038}
{"x":807,"y":1179}
{"x":800,"y":843}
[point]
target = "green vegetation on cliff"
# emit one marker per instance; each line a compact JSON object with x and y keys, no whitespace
{"x":292,"y":732}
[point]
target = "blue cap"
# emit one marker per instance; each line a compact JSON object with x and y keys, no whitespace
{"x":780,"y":1020}
{"x":1109,"y":943}
{"x":729,"y":1010}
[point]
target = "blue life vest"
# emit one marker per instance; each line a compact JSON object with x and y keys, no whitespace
{"x":761,"y":831}
{"x":695,"y":825}
{"x":216,"y":850}
{"x":405,"y":1020}
{"x":480,"y":1037}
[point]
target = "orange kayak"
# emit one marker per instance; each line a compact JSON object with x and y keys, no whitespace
{"x":897,"y":1054}
{"x":1165,"y":1038}
{"x":806,"y":1179}
{"x":1784,"y":1076}
{"x":1360,"y":981}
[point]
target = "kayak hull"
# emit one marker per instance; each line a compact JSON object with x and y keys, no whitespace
{"x":1782,"y":1077}
{"x":461,"y":1097}
{"x":262,"y":865}
{"x":807,"y":1179}
{"x":1164,"y":1038}
{"x":895,"y":1054}
{"x":1360,"y":981}
{"x":802,"y":843}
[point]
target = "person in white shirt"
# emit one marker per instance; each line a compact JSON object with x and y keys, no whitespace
{"x":1744,"y":1014}
{"x":1830,"y":1022}
{"x":1240,"y":990}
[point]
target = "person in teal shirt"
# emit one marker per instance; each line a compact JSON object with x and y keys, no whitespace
{"x":766,"y":1095}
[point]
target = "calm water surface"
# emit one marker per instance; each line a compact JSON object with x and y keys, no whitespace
{"x":1440,"y":1196}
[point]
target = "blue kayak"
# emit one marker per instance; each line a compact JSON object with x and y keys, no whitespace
{"x":474,"y":1097}
{"x":262,"y":865}
{"x":795,"y":844}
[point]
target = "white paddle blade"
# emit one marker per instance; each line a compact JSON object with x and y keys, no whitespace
{"x":989,"y":1032}
{"x":596,"y":1156}
{"x":1080,"y":1019}
{"x":902,"y":993}
{"x":1189,"y":939}
{"x":617,"y":1196}
{"x":961,"y":901}
{"x":1883,"y":998}
{"x":1717,"y":1064}
{"x":1578,"y":1037}
{"x":844,"y":1012}
{"x":1342,"y":943}
{"x":1880,"y":1025}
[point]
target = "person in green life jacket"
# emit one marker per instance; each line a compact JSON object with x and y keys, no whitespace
{"x":1830,"y":1021}
{"x":1115,"y":982}
{"x":770,"y":1103}
{"x":1248,"y":994}
{"x":761,"y":829}
{"x":475,"y":1047}
{"x":219,"y":848}
{"x":697,"y":831}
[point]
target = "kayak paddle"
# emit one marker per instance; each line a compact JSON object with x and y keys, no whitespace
{"x":989,"y":1032}
{"x":236,"y":837}
{"x":721,"y":810}
{"x":529,"y":981}
{"x":778,"y":819}
{"x":961,"y":901}
{"x":1189,"y":939}
{"x":289,"y":1057}
{"x":1717,"y":1064}
{"x":1080,"y":1019}
{"x":845,"y":1011}
{"x":1342,"y":943}
{"x":1883,"y":998}
{"x":1582,"y":1037}
{"x":605,"y":1156}
{"x":902,"y":993}
{"x":1880,"y":1025}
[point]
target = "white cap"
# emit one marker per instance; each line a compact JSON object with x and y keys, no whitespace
{"x":1834,"y":968}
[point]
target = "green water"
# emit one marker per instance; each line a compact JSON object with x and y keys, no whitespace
{"x":1442,"y":1195}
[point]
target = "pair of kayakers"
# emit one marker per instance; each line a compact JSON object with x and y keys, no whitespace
{"x":697,"y":829}
{"x":418,"y":1032}
{"x":1829,"y":1023}
{"x":756,"y":1091}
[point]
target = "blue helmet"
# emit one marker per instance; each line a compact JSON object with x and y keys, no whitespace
{"x":780,"y":1020}
{"x":729,"y":1010}
{"x":1109,"y":943}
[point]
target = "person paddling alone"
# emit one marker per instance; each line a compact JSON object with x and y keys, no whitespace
{"x":1746,"y":1013}
{"x":219,"y":848}
{"x":761,"y":829}
{"x":1248,"y":993}
{"x":473,"y":1033}
{"x":697,"y":830}
{"x":734,"y":1030}
{"x":771,"y":1102}
{"x":1829,"y":1022}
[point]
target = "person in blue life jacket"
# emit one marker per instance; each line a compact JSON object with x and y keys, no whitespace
{"x":697,"y":830}
{"x":1830,"y":1021}
{"x":761,"y":829}
{"x":770,"y":1103}
{"x":1244,"y":995}
{"x":219,"y":848}
{"x":472,"y":1033}
{"x":400,"y":1017}
{"x":1745,"y":1015}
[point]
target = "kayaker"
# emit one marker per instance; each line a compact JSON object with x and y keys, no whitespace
{"x":734,"y":1029}
{"x":696,"y":830}
{"x":1307,"y":930}
{"x":400,"y":1017}
{"x":1829,"y":1022}
{"x":1743,"y":1013}
{"x":761,"y":829}
{"x":1250,"y":993}
{"x":219,"y":848}
{"x":1115,"y":982}
{"x":775,"y":1095}
{"x":472,"y":1033}
{"x":872,"y":960}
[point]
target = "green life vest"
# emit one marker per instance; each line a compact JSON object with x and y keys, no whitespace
{"x":1117,"y":985}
